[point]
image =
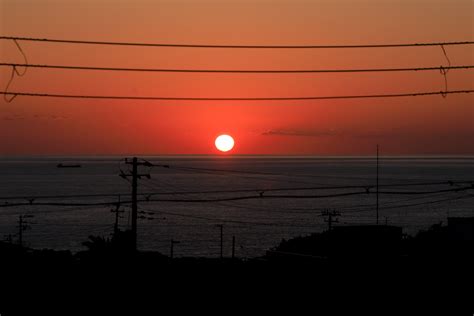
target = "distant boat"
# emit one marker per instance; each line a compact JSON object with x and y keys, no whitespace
{"x":62,"y":165}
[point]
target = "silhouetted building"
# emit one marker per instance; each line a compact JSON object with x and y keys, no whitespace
{"x":460,"y":237}
{"x":366,"y":241}
{"x":461,"y":229}
{"x":343,"y":242}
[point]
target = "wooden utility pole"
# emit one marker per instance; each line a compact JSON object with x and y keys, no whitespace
{"x":233,"y":247}
{"x":20,"y":231}
{"x":173,"y":242}
{"x":117,"y":212}
{"x":135,"y":176}
{"x":330,"y":214}
{"x":22,"y":226}
{"x":134,"y":200}
{"x":222,"y":240}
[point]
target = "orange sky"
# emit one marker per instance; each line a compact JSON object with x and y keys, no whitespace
{"x":402,"y":126}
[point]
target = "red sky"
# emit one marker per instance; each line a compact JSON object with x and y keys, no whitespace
{"x":402,"y":126}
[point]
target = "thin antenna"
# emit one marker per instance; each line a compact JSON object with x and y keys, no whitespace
{"x":377,"y":207}
{"x":221,"y":240}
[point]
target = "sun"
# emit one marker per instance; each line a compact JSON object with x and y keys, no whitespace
{"x":224,"y":143}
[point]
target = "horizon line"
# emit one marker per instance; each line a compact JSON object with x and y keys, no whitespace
{"x":236,"y":156}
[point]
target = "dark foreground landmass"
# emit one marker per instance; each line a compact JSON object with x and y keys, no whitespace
{"x":348,"y":260}
{"x":347,"y":245}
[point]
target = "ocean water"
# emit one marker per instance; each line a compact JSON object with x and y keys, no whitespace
{"x":257,"y":224}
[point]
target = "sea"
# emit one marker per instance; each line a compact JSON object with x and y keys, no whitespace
{"x":251,"y":202}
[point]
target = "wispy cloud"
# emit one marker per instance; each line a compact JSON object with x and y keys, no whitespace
{"x":301,"y":132}
{"x":57,"y":117}
{"x":334,"y":132}
{"x":14,"y":117}
{"x":18,"y":117}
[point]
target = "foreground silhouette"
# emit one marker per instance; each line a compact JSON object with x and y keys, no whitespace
{"x":347,"y":260}
{"x":348,"y":245}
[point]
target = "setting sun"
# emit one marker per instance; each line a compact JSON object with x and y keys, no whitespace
{"x":224,"y":143}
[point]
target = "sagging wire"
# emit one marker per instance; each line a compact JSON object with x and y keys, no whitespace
{"x":444,"y":72}
{"x":14,"y":72}
{"x":122,"y":173}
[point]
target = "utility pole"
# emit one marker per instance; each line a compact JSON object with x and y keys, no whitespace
{"x":117,"y":216}
{"x":173,"y":242}
{"x":134,"y":200}
{"x":222,"y":238}
{"x":377,"y":194}
{"x":22,"y":226}
{"x":330,"y":214}
{"x":20,"y":231}
{"x":8,"y":238}
{"x":233,"y":247}
{"x":135,"y":176}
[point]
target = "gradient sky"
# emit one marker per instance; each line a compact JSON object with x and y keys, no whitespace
{"x":402,"y":126}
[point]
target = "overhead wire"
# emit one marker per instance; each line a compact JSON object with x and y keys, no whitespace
{"x":292,"y":225}
{"x":442,"y":69}
{"x":416,"y":204}
{"x":186,"y":45}
{"x":220,"y":220}
{"x":313,"y":210}
{"x":251,"y":99}
{"x":238,"y":71}
{"x":263,"y":173}
{"x":257,"y":190}
{"x":246,"y":197}
{"x":295,"y":98}
{"x":16,"y":72}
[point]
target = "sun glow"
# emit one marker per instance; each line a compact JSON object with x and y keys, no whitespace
{"x":224,"y":143}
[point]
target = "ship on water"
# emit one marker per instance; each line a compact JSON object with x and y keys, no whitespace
{"x":63,"y":165}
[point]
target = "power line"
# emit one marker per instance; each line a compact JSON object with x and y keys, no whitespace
{"x":75,"y":209}
{"x":413,"y":204}
{"x":151,"y":98}
{"x":427,"y":202}
{"x":236,"y":70}
{"x":262,"y":190}
{"x":227,"y":220}
{"x":239,"y":174}
{"x":308,"y":211}
{"x":231,"y":171}
{"x":230,"y":204}
{"x":65,"y":196}
{"x":292,"y":225}
{"x":246,"y":197}
{"x":234,"y":172}
{"x":185,"y":45}
{"x":369,"y":207}
{"x":316,"y":188}
{"x":249,"y":197}
{"x":224,"y":204}
{"x":390,"y":203}
{"x":361,"y":208}
{"x":253,"y":172}
{"x":425,"y":192}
